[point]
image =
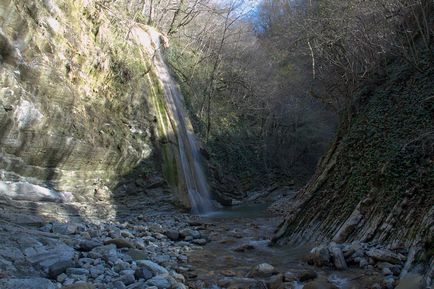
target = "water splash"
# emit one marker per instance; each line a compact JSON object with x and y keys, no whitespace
{"x":189,"y":154}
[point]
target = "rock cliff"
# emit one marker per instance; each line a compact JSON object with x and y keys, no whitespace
{"x":375,"y":183}
{"x":82,"y":117}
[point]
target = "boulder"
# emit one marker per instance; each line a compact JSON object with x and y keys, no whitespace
{"x":319,"y":256}
{"x":52,"y":259}
{"x":385,"y":256}
{"x":338,"y":257}
{"x":262,"y":270}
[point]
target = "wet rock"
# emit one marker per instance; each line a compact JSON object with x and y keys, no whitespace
{"x":289,"y":277}
{"x":262,"y":270}
{"x":275,"y":281}
{"x":338,"y":257}
{"x":244,"y":248}
{"x":385,"y":255}
{"x":120,"y":243}
{"x":307,"y":275}
{"x":319,"y":256}
{"x":28,"y":283}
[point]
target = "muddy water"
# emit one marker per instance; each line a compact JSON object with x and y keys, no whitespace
{"x":240,"y":239}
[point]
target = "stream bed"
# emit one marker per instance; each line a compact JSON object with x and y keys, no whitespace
{"x":239,"y":240}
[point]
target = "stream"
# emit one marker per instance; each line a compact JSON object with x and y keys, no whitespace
{"x":239,"y":240}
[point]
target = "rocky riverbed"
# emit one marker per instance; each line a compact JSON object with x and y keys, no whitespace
{"x":177,"y":250}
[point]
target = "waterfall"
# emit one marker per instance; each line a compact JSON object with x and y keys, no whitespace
{"x":189,"y":155}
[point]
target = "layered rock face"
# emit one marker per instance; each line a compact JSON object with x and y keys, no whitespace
{"x":78,"y":103}
{"x":375,"y":183}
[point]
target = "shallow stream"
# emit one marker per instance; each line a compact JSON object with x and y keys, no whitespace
{"x":240,"y":240}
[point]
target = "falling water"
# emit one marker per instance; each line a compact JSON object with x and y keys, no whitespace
{"x":192,"y":170}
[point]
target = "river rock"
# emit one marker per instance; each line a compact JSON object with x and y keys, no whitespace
{"x":190,"y":233}
{"x":88,"y":245}
{"x":120,"y":243}
{"x":275,"y":281}
{"x":262,"y":270}
{"x":52,"y":259}
{"x":173,"y":235}
{"x":143,"y":273}
{"x":307,"y":275}
{"x":319,"y":256}
{"x":79,"y":286}
{"x":119,"y":285}
{"x":159,"y":281}
{"x":28,"y":283}
{"x":127,"y":279}
{"x":385,"y":255}
{"x":77,"y":271}
{"x":64,"y":229}
{"x":151,"y":266}
{"x":136,"y":254}
{"x":244,"y":248}
{"x":199,"y":242}
{"x":338,"y":257}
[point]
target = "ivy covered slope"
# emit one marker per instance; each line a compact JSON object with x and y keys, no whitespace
{"x":77,"y":98}
{"x":376,"y":181}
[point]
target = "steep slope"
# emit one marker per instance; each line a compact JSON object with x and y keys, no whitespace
{"x":82,"y":112}
{"x":376,"y":182}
